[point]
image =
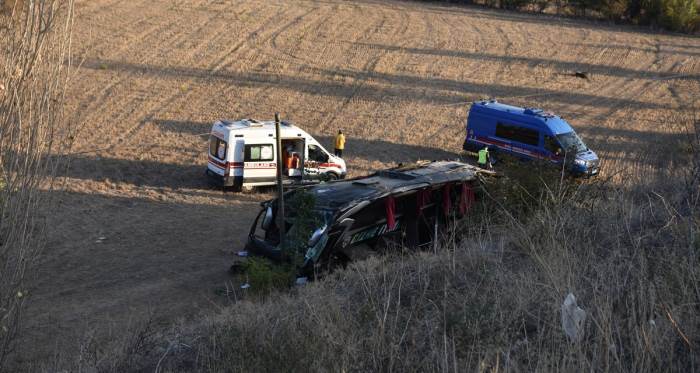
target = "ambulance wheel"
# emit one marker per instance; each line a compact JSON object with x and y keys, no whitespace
{"x":331,"y":176}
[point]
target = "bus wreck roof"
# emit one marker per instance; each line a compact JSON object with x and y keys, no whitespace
{"x":339,"y":195}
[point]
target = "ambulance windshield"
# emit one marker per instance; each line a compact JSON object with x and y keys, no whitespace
{"x":572,"y":141}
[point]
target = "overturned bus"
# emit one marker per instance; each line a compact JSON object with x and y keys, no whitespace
{"x":404,"y":206}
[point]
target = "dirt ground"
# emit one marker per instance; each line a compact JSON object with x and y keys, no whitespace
{"x":137,"y":231}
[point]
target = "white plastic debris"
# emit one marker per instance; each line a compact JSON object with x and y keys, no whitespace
{"x":242,"y":253}
{"x":245,"y":286}
{"x":572,"y":318}
{"x":301,"y":281}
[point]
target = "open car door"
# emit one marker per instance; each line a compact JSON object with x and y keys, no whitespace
{"x":316,"y":156}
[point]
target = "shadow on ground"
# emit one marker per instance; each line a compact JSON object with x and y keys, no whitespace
{"x":670,"y":149}
{"x":400,"y":87}
{"x":152,"y":173}
{"x":136,"y":172}
{"x":565,"y":67}
{"x":116,"y":260}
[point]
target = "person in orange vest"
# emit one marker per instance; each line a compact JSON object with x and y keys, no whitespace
{"x":339,"y":144}
{"x":294,"y":165}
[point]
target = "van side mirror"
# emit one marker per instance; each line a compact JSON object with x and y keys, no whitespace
{"x":267,"y":219}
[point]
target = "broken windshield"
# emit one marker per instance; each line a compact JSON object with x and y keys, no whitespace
{"x":571,"y":140}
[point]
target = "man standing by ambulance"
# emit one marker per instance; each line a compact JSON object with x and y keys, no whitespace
{"x":339,"y":144}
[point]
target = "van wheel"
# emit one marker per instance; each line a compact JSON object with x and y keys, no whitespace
{"x":330,"y":176}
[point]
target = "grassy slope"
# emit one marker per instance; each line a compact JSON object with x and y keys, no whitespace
{"x":488,"y":300}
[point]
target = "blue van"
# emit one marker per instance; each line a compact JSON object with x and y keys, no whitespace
{"x":528,"y":133}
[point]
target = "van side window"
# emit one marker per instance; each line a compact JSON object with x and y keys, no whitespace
{"x":217,"y":147}
{"x":256,"y":153}
{"x":551,"y":144}
{"x":519,"y":134}
{"x":317,"y":155}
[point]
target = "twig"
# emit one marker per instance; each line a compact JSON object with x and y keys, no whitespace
{"x":170,"y":346}
{"x":675,"y":325}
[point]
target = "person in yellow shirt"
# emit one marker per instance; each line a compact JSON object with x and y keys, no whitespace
{"x":339,"y":144}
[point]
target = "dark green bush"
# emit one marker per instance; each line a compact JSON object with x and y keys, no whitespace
{"x":265,"y":276}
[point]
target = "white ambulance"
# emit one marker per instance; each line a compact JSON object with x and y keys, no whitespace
{"x":242,"y":154}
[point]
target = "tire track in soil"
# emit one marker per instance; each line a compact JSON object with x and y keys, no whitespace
{"x":336,"y":54}
{"x":141,"y":39}
{"x":450,"y":129}
{"x":434,"y":41}
{"x":647,"y":162}
{"x":369,"y":68}
{"x":308,"y":27}
{"x":227,"y":60}
{"x":212,"y":68}
{"x":144,"y":37}
{"x":97,"y":94}
{"x":302,"y":64}
{"x":125,"y":111}
{"x":230,"y":59}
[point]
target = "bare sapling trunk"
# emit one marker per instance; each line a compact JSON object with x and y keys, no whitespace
{"x":34,"y":52}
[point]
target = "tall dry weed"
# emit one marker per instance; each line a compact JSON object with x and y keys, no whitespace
{"x":35,"y":43}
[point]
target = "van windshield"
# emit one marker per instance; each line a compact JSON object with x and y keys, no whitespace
{"x":571,"y":140}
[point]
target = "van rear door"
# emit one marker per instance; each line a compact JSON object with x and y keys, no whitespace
{"x":218,"y":147}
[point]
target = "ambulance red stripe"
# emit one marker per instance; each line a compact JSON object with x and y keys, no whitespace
{"x":225,"y":165}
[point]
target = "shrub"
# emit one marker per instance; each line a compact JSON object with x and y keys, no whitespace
{"x":300,"y":212}
{"x":645,"y":11}
{"x":524,"y":184}
{"x":265,"y":276}
{"x":514,"y":4}
{"x":614,"y":9}
{"x":679,"y":15}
